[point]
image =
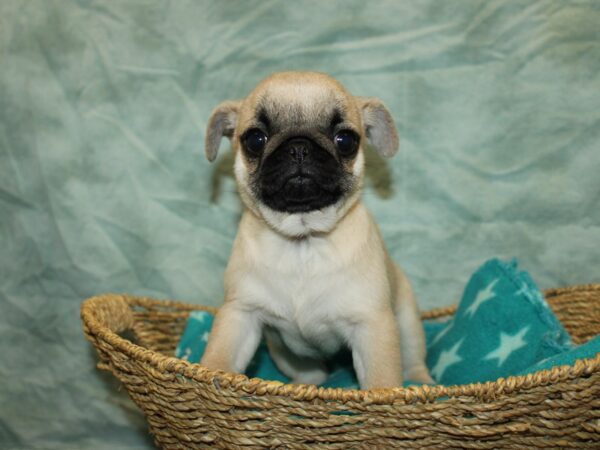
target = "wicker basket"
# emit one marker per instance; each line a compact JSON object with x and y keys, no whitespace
{"x":189,"y":406}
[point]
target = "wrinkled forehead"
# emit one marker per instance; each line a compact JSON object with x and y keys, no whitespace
{"x":300,"y":103}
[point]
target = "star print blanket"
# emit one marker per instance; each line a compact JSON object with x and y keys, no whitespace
{"x":503,"y":326}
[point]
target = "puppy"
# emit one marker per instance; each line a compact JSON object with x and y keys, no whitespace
{"x":309,"y":268}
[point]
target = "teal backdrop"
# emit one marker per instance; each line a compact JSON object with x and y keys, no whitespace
{"x":104,"y":185}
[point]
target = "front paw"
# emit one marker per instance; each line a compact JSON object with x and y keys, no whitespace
{"x":215,"y":362}
{"x":314,"y":376}
{"x":418,"y":375}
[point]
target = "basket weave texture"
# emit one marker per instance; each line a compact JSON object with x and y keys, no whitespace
{"x":190,"y":407}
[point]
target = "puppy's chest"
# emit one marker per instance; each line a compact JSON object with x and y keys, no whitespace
{"x":308,"y":294}
{"x":307,"y":310}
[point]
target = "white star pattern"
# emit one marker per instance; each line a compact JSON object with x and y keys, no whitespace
{"x":482,"y":296}
{"x":532,"y":295}
{"x":508,"y":344}
{"x":199,"y":316}
{"x":205,"y":336}
{"x":187,"y":354}
{"x":537,"y":297}
{"x":446,"y":359}
{"x":524,"y":290}
{"x":442,"y":333}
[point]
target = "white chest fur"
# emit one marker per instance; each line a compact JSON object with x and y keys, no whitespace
{"x":312,"y":290}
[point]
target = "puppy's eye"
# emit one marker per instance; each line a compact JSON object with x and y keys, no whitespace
{"x":346,"y":143}
{"x":254,"y":141}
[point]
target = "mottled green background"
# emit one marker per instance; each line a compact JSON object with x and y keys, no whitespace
{"x":103,"y":184}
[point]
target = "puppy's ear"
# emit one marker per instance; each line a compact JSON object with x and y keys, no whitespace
{"x":221,"y":123}
{"x":379,"y":126}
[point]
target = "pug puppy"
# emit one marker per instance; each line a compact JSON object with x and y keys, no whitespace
{"x":309,"y":268}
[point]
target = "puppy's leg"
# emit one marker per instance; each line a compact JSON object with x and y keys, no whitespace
{"x":412,"y":335}
{"x":233,"y":340}
{"x":376,"y":351}
{"x":301,"y":369}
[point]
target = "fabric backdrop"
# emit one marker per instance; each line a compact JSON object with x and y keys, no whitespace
{"x":104,"y":186}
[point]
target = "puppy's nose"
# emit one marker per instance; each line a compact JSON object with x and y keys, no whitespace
{"x":298,"y":149}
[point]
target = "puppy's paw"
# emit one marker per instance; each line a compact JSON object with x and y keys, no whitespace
{"x":418,"y":375}
{"x":314,"y":376}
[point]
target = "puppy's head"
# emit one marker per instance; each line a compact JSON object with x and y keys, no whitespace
{"x":298,"y":140}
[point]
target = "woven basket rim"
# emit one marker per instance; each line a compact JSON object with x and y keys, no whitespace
{"x":483,"y":391}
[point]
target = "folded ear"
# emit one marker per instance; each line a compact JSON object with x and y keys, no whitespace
{"x":379,"y":126}
{"x":221,"y":123}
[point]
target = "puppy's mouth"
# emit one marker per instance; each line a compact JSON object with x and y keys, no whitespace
{"x":299,"y":194}
{"x":297,"y":184}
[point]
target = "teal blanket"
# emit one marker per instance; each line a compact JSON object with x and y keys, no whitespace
{"x":104,"y":186}
{"x":503,"y":326}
